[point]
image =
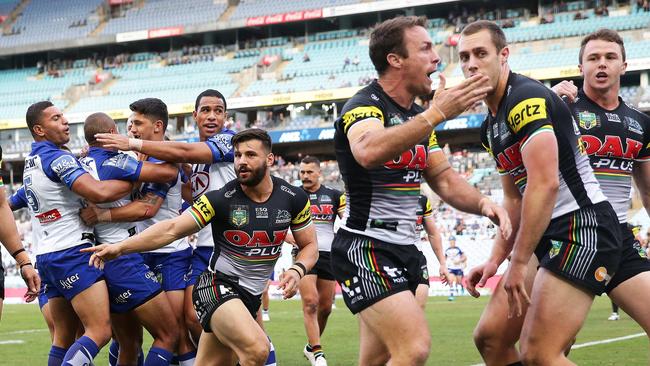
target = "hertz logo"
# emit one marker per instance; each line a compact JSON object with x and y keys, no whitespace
{"x":527,"y":111}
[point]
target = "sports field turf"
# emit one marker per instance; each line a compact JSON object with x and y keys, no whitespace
{"x":24,"y":339}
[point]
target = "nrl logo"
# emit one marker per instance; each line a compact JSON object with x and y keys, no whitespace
{"x":587,"y":120}
{"x":239,"y":215}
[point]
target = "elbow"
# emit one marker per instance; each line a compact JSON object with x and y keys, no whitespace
{"x":367,"y":159}
{"x":169,"y":174}
{"x":101,"y":196}
{"x":149,"y":212}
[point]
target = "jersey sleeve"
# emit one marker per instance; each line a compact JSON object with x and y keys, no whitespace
{"x":644,"y":154}
{"x":122,"y":167}
{"x":202,"y":211}
{"x":64,"y":167}
{"x":433,"y":142}
{"x":221,"y":147}
{"x":360,"y":109}
{"x":18,"y":200}
{"x":340,"y":200}
{"x":301,"y":211}
{"x":529,"y":112}
{"x":428,"y":210}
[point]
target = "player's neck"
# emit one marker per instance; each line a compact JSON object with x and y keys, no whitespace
{"x":395,"y":88}
{"x":313,"y":189}
{"x":605,"y":98}
{"x":260,"y":192}
{"x":494,"y":99}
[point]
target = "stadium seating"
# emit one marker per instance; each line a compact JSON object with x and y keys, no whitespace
{"x":256,"y":8}
{"x":44,"y":21}
{"x":166,"y":13}
{"x":7,"y":6}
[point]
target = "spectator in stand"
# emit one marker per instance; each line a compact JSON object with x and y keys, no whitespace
{"x":355,"y":61}
{"x":346,"y":62}
{"x":305,"y":57}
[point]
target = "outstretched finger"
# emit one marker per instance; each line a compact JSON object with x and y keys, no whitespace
{"x":441,"y":84}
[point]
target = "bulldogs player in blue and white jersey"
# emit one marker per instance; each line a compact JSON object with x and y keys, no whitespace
{"x":213,"y":167}
{"x":55,"y":184}
{"x":11,"y":241}
{"x":135,"y":294}
{"x":158,"y":202}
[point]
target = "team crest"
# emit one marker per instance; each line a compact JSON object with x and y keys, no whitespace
{"x":640,"y":250}
{"x":239,"y":215}
{"x":587,"y":120}
{"x":555,"y":249}
{"x":395,"y":120}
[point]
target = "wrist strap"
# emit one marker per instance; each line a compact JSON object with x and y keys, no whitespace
{"x":135,"y":144}
{"x":14,"y":254}
{"x":295,"y":270}
{"x":26,"y":264}
{"x":301,"y":266}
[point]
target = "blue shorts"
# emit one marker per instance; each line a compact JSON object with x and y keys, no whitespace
{"x":456,"y":272}
{"x":42,"y":297}
{"x":67,"y":272}
{"x":171,"y":269}
{"x":130,"y":283}
{"x":200,"y":261}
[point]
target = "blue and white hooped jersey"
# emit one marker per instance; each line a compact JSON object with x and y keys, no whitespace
{"x":48,"y":177}
{"x":105,"y":164}
{"x":210,"y":177}
{"x":171,"y":207}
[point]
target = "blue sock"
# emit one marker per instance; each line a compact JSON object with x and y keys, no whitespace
{"x":271,"y":360}
{"x":187,"y":358}
{"x":82,"y":352}
{"x":56,"y":356}
{"x":113,"y":352}
{"x":141,"y":358}
{"x":158,"y":357}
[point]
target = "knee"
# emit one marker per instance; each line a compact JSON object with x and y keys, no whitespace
{"x":257,"y":354}
{"x":486,"y":340}
{"x":310,"y":305}
{"x":419,"y":351}
{"x":324,"y":310}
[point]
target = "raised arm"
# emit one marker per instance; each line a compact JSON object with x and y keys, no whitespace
{"x":171,"y":151}
{"x":372,"y":145}
{"x":138,"y":210}
{"x":158,"y":172}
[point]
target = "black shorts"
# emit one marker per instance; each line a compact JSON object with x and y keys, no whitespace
{"x":369,"y":270}
{"x":583,"y":247}
{"x":212,"y":289}
{"x":2,"y":280}
{"x":322,"y":268}
{"x":634,"y":259}
{"x":424,"y":270}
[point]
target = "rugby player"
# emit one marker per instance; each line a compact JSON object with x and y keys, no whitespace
{"x":55,"y":184}
{"x":11,"y":240}
{"x":213,"y":168}
{"x":135,"y":294}
{"x":158,"y":202}
{"x":456,"y":262}
{"x":384,"y":145}
{"x":558,"y":210}
{"x":250,"y":217}
{"x":317,"y":288}
{"x":616,"y":137}
{"x":426,"y":222}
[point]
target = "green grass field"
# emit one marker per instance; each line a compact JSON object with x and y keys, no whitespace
{"x":24,"y":339}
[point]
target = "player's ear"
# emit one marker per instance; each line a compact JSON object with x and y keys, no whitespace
{"x":38,"y":130}
{"x":394,"y":60}
{"x":270,"y":159}
{"x":158,"y":126}
{"x":504,"y":54}
{"x":623,"y":67}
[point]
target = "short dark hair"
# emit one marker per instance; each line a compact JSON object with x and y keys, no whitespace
{"x":210,"y":93}
{"x":496,"y":33}
{"x":388,"y":37}
{"x":310,"y":160}
{"x":97,"y":123}
{"x":602,"y":34}
{"x":152,"y":108}
{"x":34,"y":112}
{"x":253,"y":134}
